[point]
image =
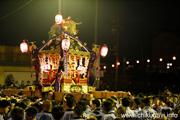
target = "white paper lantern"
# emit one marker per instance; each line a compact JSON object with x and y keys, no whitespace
{"x":104,"y":51}
{"x":65,"y":44}
{"x":58,"y":19}
{"x":24,"y":47}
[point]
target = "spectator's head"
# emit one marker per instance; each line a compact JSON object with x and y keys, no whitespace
{"x":21,"y":105}
{"x":137,"y":101}
{"x":147,"y":102}
{"x":113,"y":99}
{"x":95,"y":104}
{"x":38,"y":106}
{"x":175,"y":99}
{"x":69,"y":101}
{"x":47,"y":106}
{"x":26,"y":101}
{"x":86,"y":100}
{"x":162,"y":100}
{"x":120,"y":111}
{"x":126,"y":101}
{"x":50,"y":95}
{"x":156,"y":100}
{"x":83,"y":103}
{"x":169,"y":104}
{"x":17,"y":113}
{"x":13,"y":103}
{"x":78,"y":111}
{"x":35,"y":99}
{"x":107,"y":106}
{"x":57,"y":112}
{"x":31,"y":113}
{"x":141,"y":95}
{"x":4,"y":106}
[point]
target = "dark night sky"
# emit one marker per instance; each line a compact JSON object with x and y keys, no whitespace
{"x":139,"y":22}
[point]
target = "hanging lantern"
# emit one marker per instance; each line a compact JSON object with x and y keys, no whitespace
{"x":24,"y":47}
{"x":58,"y":19}
{"x":65,"y":44}
{"x":104,"y":51}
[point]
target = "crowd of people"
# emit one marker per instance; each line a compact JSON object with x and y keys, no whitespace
{"x":140,"y":107}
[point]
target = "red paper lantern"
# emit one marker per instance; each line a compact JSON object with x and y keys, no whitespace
{"x":58,"y":19}
{"x":24,"y":47}
{"x":104,"y":51}
{"x":65,"y":44}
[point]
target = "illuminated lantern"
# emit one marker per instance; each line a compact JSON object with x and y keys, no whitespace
{"x":174,"y":58}
{"x":104,"y":51}
{"x":137,"y":61}
{"x":65,"y":44}
{"x":160,"y":59}
{"x":148,"y":60}
{"x":58,"y":19}
{"x":24,"y":47}
{"x":81,"y":69}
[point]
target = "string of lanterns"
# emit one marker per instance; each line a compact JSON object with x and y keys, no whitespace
{"x":127,"y":62}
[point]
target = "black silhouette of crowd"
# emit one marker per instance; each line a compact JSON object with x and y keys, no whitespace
{"x":165,"y":106}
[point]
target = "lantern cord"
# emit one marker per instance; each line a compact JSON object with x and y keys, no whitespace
{"x":15,"y":10}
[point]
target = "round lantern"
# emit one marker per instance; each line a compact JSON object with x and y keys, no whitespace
{"x":65,"y":44}
{"x":58,"y":19}
{"x":104,"y":51}
{"x":24,"y":47}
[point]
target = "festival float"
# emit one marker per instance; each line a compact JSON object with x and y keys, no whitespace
{"x":63,"y":63}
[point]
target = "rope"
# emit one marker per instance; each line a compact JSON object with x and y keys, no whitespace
{"x":15,"y":10}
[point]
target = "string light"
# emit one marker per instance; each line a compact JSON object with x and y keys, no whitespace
{"x":137,"y":61}
{"x":160,"y":59}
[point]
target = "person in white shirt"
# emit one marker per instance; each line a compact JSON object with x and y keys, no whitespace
{"x":147,"y":112}
{"x":68,"y":104}
{"x":137,"y":108}
{"x":107,"y":107}
{"x":95,"y":109}
{"x":126,"y":103}
{"x":46,"y":111}
{"x":4,"y":108}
